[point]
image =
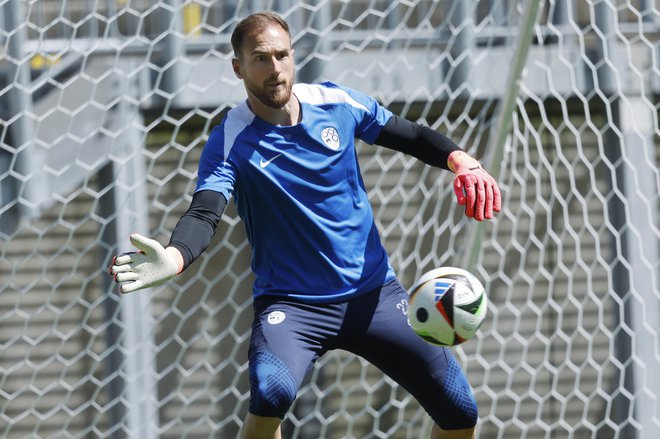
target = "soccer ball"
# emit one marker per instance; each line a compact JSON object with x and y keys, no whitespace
{"x":447,"y":306}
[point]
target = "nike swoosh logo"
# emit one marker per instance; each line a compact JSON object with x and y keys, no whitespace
{"x":263,"y":163}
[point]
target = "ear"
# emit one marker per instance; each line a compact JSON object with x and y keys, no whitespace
{"x":236,"y":66}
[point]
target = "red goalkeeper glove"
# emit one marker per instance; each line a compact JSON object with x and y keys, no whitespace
{"x":475,"y":188}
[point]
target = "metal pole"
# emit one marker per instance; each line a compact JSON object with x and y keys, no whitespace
{"x":635,"y":274}
{"x":28,"y":160}
{"x":138,"y":323}
{"x":559,"y":17}
{"x":616,"y":212}
{"x":646,"y":8}
{"x":560,"y":12}
{"x":642,"y":240}
{"x":459,"y":66}
{"x":172,"y":50}
{"x":316,"y":45}
{"x":505,"y":116}
{"x":135,"y":316}
{"x":604,"y":21}
{"x":108,"y":248}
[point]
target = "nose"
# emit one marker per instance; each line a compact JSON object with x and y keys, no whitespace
{"x":275,"y":65}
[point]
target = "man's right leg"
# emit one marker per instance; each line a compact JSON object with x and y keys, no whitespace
{"x":287,"y":338}
{"x":261,"y":427}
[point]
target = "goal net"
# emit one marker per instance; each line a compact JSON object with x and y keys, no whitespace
{"x":106,"y":105}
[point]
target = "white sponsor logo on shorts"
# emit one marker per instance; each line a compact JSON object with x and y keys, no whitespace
{"x":276,"y":317}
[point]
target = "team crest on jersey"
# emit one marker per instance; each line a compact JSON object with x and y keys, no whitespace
{"x":330,"y":137}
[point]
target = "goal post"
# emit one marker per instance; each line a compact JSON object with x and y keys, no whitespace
{"x":504,"y":117}
{"x":104,"y":110}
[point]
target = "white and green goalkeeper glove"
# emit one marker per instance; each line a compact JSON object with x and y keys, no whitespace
{"x":149,"y":267}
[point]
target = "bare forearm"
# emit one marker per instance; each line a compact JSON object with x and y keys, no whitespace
{"x":177,"y":257}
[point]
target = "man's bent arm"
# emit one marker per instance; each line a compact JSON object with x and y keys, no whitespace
{"x":192,"y":234}
{"x":417,"y":140}
{"x":474,"y":187}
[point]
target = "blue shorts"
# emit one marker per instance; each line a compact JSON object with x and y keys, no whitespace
{"x":288,"y":336}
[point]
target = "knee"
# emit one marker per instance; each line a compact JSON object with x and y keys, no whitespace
{"x":272,"y":388}
{"x":462,"y":405}
{"x":459,"y":412}
{"x":468,"y":414}
{"x":457,"y":405}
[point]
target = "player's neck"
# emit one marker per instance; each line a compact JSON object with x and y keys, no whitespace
{"x":290,"y":114}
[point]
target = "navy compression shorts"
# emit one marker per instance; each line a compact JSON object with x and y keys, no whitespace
{"x":289,"y":336}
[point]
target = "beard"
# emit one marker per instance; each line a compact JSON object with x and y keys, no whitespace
{"x":274,"y":97}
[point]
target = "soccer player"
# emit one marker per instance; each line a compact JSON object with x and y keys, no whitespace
{"x":322,"y":277}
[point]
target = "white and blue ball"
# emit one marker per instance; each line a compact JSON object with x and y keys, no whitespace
{"x":447,"y":306}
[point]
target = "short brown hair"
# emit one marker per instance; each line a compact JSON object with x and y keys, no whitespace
{"x":255,"y":22}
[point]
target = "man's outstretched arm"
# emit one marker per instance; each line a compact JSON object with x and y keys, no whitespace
{"x":474,"y":187}
{"x":154,"y":264}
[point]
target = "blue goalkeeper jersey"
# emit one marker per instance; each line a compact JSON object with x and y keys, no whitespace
{"x":299,"y":192}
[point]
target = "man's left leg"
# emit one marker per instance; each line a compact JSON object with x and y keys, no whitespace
{"x":261,"y":427}
{"x":438,"y":433}
{"x":382,"y":335}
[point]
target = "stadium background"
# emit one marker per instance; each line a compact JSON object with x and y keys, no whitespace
{"x":105,"y":106}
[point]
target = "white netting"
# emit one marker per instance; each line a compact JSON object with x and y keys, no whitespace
{"x":105,"y":107}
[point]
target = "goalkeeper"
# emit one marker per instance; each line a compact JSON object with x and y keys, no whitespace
{"x":322,"y":277}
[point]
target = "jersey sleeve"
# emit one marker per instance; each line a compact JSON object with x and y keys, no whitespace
{"x":431,"y":147}
{"x":215,"y":172}
{"x":370,"y":116}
